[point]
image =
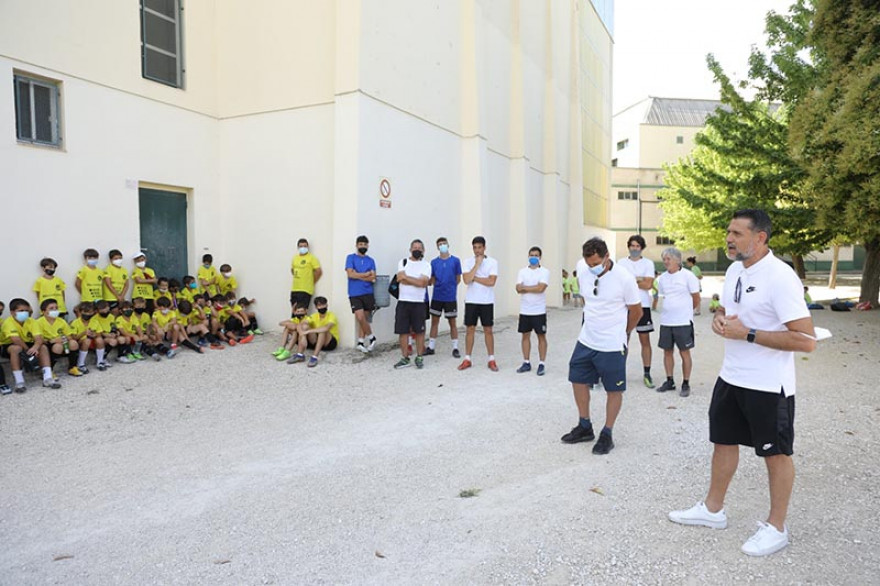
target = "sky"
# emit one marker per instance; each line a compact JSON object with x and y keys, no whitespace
{"x":660,"y":46}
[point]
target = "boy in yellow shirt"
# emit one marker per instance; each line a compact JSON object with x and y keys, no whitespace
{"x":20,"y":339}
{"x":90,"y":279}
{"x":130,"y":334}
{"x":109,"y":331}
{"x":226,"y":282}
{"x":58,"y":336}
{"x":190,"y":323}
{"x":50,"y":286}
{"x":87,"y":333}
{"x":144,"y":279}
{"x":235,"y":322}
{"x":290,"y":334}
{"x":320,"y":331}
{"x":165,"y":327}
{"x":207,"y":276}
{"x":189,"y":290}
{"x":4,"y":388}
{"x":116,"y":282}
{"x":162,"y":290}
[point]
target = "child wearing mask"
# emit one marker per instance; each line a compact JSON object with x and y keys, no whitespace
{"x":90,"y":279}
{"x":226,"y":282}
{"x":58,"y":336}
{"x":207,"y":276}
{"x":116,"y":282}
{"x":50,"y":286}
{"x":22,"y":342}
{"x":106,"y":321}
{"x":144,"y":279}
{"x":87,"y":333}
{"x":130,"y":334}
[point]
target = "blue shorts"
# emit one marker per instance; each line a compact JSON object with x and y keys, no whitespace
{"x":587,"y":366}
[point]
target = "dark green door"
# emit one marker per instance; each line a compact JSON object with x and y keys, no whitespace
{"x":163,"y":231}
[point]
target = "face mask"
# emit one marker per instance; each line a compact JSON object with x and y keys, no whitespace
{"x":534,"y":260}
{"x":192,"y":285}
{"x":303,"y":249}
{"x":21,"y":316}
{"x":140,"y":264}
{"x":444,"y":248}
{"x":92,"y":262}
{"x":117,"y":262}
{"x":54,"y":313}
{"x":218,"y":306}
{"x":635,"y":253}
{"x":87,"y":316}
{"x":597,"y":270}
{"x":417,"y":254}
{"x":322,"y":310}
{"x":227,"y":275}
{"x":165,"y":290}
{"x":139,"y":310}
{"x":127,"y":312}
{"x":50,"y":272}
{"x":103,"y":313}
{"x":362,"y":250}
{"x":300,"y":315}
{"x":207,"y":265}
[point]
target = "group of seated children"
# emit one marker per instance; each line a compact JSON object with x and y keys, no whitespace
{"x":319,"y":331}
{"x":152,"y":324}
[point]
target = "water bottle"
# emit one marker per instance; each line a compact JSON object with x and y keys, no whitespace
{"x":65,"y":345}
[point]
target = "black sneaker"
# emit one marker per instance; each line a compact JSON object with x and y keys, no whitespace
{"x":578,"y":434}
{"x":685,"y":390}
{"x":667,"y":385}
{"x":429,"y":352}
{"x":604,"y":445}
{"x":456,"y":353}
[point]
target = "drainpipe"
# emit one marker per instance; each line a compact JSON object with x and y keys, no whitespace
{"x":639,"y":197}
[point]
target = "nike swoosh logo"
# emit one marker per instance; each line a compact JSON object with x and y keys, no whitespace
{"x":766,"y":446}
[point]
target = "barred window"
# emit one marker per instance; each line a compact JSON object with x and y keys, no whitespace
{"x":37,"y":114}
{"x":161,"y":41}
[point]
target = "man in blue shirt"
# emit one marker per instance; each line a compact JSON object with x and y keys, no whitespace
{"x":361,"y":271}
{"x":446,"y":271}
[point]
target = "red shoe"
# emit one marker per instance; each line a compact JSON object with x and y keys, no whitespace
{"x":492,"y":366}
{"x":232,"y":342}
{"x":216,"y":346}
{"x":247,"y":339}
{"x":465,"y":364}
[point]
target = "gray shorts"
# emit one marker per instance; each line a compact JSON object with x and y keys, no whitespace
{"x":681,"y":336}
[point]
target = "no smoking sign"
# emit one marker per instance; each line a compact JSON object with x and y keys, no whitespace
{"x":385,"y":193}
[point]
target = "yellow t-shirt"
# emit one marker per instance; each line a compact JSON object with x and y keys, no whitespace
{"x":188,"y":320}
{"x":304,"y":266}
{"x":144,"y":290}
{"x":51,"y":289}
{"x":162,"y":320}
{"x":316,"y":320}
{"x":78,"y":327}
{"x":53,"y":330}
{"x":128,"y":325}
{"x":92,"y":283}
{"x":118,"y":276}
{"x":167,"y":295}
{"x":187,"y":293}
{"x":107,"y":324}
{"x":145,"y":318}
{"x":209,"y":274}
{"x":11,"y":328}
{"x":226,"y":285}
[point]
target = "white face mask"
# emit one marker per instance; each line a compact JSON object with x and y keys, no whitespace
{"x":227,"y":275}
{"x":164,"y":311}
{"x":303,"y":249}
{"x":54,"y":313}
{"x":141,"y":264}
{"x":117,"y":262}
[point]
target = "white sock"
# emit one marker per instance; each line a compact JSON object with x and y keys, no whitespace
{"x":431,"y":343}
{"x":468,"y":357}
{"x":455,"y":344}
{"x":18,"y":376}
{"x":541,"y":362}
{"x":81,"y":359}
{"x":491,"y":357}
{"x":47,"y":373}
{"x":360,"y":340}
{"x":526,"y":361}
{"x":100,"y":354}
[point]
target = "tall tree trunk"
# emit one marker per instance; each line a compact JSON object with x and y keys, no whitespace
{"x":832,"y":278}
{"x":871,"y":273}
{"x":798,"y":261}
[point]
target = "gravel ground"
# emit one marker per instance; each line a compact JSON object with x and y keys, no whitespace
{"x":230,"y":468}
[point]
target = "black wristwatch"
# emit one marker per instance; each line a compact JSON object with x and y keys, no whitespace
{"x":751,"y":335}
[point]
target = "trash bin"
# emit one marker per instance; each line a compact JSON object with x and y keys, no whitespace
{"x":380,"y":291}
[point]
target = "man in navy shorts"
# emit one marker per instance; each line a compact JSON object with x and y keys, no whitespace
{"x":612,"y":308}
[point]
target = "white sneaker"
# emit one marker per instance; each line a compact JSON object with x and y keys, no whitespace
{"x":700,"y":515}
{"x":360,"y":346}
{"x":768,"y":539}
{"x":372,"y":345}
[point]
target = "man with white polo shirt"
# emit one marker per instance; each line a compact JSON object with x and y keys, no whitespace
{"x":764,"y":321}
{"x":681,"y":296}
{"x":611,"y":310}
{"x":479,"y":273}
{"x":531,"y":284}
{"x":413,"y":274}
{"x":643,"y":270}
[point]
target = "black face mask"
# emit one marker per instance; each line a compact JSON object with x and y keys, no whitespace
{"x":322,"y":310}
{"x":362,"y":250}
{"x":87,"y":316}
{"x":103,"y":313}
{"x":50,"y":272}
{"x":140,"y":309}
{"x":417,"y":254}
{"x":300,"y":316}
{"x":127,"y":312}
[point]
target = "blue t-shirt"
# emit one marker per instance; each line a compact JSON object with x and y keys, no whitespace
{"x":445,"y":270}
{"x":360,"y":264}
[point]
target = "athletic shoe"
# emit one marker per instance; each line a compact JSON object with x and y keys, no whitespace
{"x":648,"y":381}
{"x":526,"y":367}
{"x":685,"y":390}
{"x":456,"y":353}
{"x":174,"y":346}
{"x":219,"y":346}
{"x":5,"y":390}
{"x":667,"y":385}
{"x":250,"y":332}
{"x":247,"y":339}
{"x":124,"y":360}
{"x":284,"y":355}
{"x":108,"y":364}
{"x":420,"y":362}
{"x":540,"y":370}
{"x":202,"y":342}
{"x":277,"y":350}
{"x":372,"y":344}
{"x":258,"y":331}
{"x":465,"y":364}
{"x":603,"y":445}
{"x":51,"y":383}
{"x":156,"y":356}
{"x":74,"y":372}
{"x":360,"y":346}
{"x":296,"y":358}
{"x":402,"y":363}
{"x":768,"y":539}
{"x":429,"y":352}
{"x":232,"y":342}
{"x":492,"y":366}
{"x":20,"y":387}
{"x":171,"y":353}
{"x":138,"y":356}
{"x":578,"y":434}
{"x":83,"y":369}
{"x":313,"y":361}
{"x":700,"y":515}
{"x":102,"y":366}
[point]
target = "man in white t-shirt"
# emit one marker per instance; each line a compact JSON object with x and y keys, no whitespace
{"x":681,"y":297}
{"x":611,"y":311}
{"x":643,"y":271}
{"x":764,"y":321}
{"x":479,"y":273}
{"x":531,"y":284}
{"x":413,"y":274}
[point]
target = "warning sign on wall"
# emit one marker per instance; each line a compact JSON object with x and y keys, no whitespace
{"x":385,"y":193}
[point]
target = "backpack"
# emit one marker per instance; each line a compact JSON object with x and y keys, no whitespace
{"x":394,"y":285}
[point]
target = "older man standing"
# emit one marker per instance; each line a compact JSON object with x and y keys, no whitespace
{"x":764,"y":321}
{"x":681,"y":297}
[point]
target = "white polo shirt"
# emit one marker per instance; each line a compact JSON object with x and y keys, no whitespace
{"x":606,"y":313}
{"x":639,"y":268}
{"x":771,"y":294}
{"x":477,"y":292}
{"x":678,"y":303}
{"x":415,"y":269}
{"x":533,"y":303}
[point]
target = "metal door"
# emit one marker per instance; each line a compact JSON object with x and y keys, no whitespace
{"x":163,"y":231}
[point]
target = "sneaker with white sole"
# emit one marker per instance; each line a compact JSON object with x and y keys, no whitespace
{"x":700,"y":515}
{"x":768,"y":539}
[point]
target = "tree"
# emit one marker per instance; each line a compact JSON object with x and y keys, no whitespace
{"x":835,"y":129}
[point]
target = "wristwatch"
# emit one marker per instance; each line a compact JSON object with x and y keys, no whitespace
{"x":751,"y":335}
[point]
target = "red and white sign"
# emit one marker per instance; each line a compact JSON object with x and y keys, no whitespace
{"x":385,"y":193}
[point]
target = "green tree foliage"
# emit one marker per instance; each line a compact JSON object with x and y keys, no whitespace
{"x":835,"y":129}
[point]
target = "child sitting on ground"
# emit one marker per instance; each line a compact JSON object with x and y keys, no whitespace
{"x":290,"y":333}
{"x":58,"y":336}
{"x":320,"y":331}
{"x":165,"y":328}
{"x":22,"y":342}
{"x":129,"y":332}
{"x":87,"y":333}
{"x":715,"y":303}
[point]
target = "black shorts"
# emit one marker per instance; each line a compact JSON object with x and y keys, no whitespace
{"x":681,"y":336}
{"x":366,"y":302}
{"x":409,"y":316}
{"x":746,"y":417}
{"x":645,"y":324}
{"x":300,"y":298}
{"x":450,"y":308}
{"x":528,"y":323}
{"x":484,"y":311}
{"x":331,"y":345}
